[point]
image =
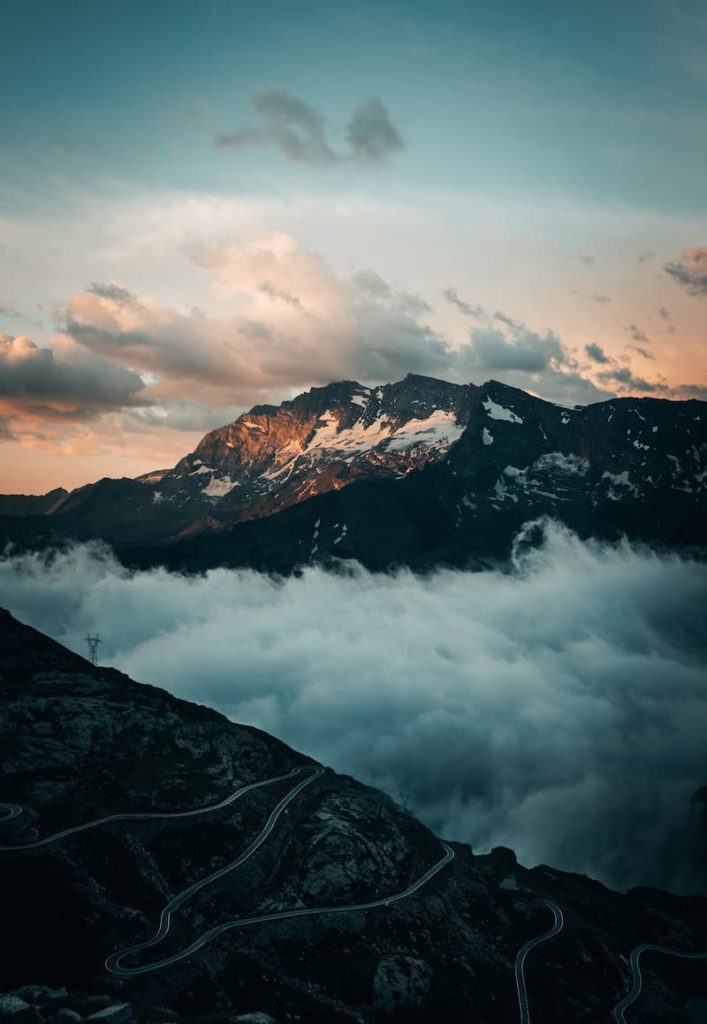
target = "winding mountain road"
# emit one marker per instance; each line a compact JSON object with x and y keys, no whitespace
{"x":637,"y":978}
{"x":113,"y":961}
{"x":16,"y":809}
{"x":522,"y":954}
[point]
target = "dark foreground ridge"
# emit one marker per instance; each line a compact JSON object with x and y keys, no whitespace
{"x":420,"y":473}
{"x":258,"y":887}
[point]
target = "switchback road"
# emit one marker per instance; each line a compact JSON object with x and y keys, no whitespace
{"x":636,"y":987}
{"x":113,"y":963}
{"x":15,"y":810}
{"x":522,"y":954}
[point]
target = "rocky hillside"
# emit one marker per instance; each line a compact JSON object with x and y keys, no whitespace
{"x":79,"y":743}
{"x":416,"y":473}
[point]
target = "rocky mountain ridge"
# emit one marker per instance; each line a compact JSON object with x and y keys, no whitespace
{"x":448,"y":473}
{"x":79,"y":743}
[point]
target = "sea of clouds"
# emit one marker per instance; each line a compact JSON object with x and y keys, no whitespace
{"x":559,"y":708}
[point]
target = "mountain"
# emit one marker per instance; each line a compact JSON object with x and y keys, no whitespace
{"x":80,"y":743}
{"x":418,"y":473}
{"x":32,"y":504}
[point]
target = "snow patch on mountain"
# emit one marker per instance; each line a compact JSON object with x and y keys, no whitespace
{"x":498,"y":412}
{"x":619,"y":480}
{"x":439,"y":431}
{"x":218,"y":486}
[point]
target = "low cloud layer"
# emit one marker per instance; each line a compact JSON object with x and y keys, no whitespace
{"x":560,"y":710}
{"x":298,"y":130}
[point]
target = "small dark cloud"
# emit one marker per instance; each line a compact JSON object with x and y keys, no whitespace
{"x":645,"y":257}
{"x":642,"y":352}
{"x":15,"y":314}
{"x":452,"y":297}
{"x":667,"y":318}
{"x":277,"y":293}
{"x":691,"y":271}
{"x":637,"y":334}
{"x":372,"y":286}
{"x":624,"y":376}
{"x":111,"y":291}
{"x":588,"y":260}
{"x":371,"y":134}
{"x":596,"y":352}
{"x":494,"y":350}
{"x":600,"y":299}
{"x":298,"y":130}
{"x":698,"y":391}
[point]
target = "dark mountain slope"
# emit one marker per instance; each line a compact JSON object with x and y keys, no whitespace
{"x":79,"y":742}
{"x":32,"y":504}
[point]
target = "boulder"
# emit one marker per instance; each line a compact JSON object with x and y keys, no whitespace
{"x":401,"y":983}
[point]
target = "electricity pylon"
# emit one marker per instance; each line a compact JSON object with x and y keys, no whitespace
{"x":93,"y":642}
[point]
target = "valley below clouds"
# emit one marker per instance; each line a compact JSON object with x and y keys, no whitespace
{"x":559,"y":708}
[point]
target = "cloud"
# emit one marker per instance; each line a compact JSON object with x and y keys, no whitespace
{"x":502,"y":346}
{"x":15,"y":314}
{"x":600,"y":299}
{"x":514,"y":347}
{"x":371,"y":134}
{"x":298,"y":130}
{"x":667,"y":318}
{"x":38,"y":384}
{"x":691,"y":271}
{"x":630,"y":382}
{"x":452,"y":297}
{"x":596,"y":352}
{"x":537,"y":362}
{"x":286,"y":321}
{"x":637,"y":334}
{"x":642,"y":352}
{"x":289,"y":322}
{"x":559,"y":709}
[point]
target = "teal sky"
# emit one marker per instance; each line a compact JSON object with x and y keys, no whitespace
{"x":542,"y":161}
{"x":602,"y":101}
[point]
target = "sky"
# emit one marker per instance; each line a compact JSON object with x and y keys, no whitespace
{"x":206,"y":204}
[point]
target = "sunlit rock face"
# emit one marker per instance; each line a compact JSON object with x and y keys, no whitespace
{"x":275,"y":456}
{"x":419,"y":473}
